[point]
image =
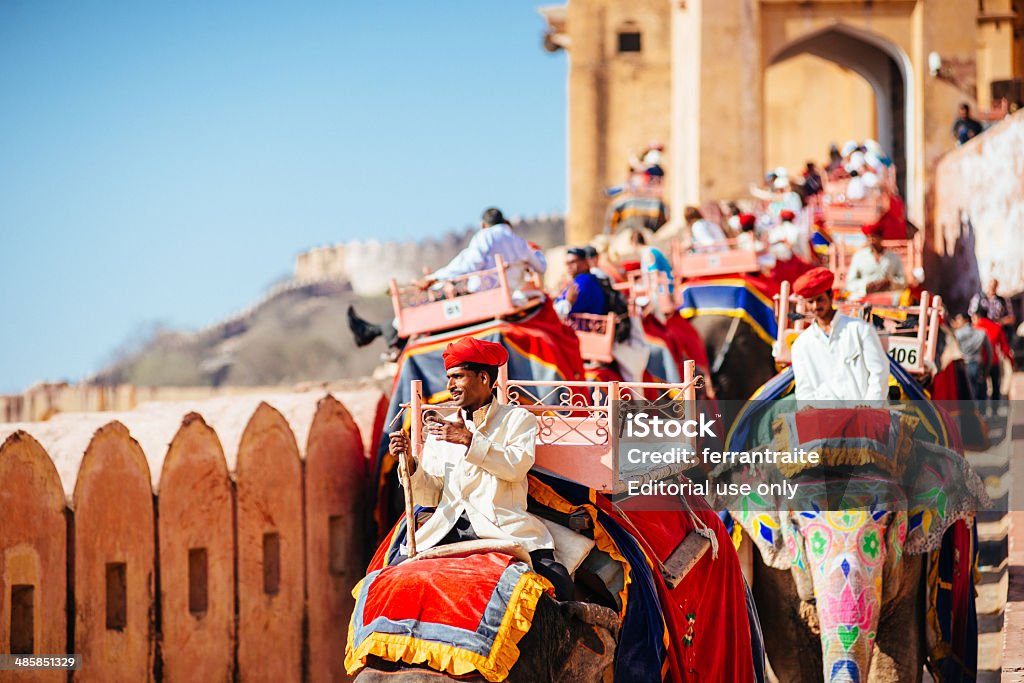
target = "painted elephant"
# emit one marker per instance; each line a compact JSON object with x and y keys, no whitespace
{"x":841,"y":586}
{"x":854,"y":613}
{"x":568,"y":642}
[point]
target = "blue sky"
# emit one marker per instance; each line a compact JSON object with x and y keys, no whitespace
{"x":165,"y":161}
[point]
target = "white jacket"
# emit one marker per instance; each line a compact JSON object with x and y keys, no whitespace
{"x":866,"y":267}
{"x":487,"y":481}
{"x":847,"y":365}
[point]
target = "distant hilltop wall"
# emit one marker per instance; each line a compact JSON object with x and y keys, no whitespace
{"x":370,"y":264}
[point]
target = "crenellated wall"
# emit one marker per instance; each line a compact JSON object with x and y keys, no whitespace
{"x":211,"y":540}
{"x":978,"y":215}
{"x":369,"y":265}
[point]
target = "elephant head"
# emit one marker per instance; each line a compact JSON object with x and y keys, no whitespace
{"x":850,"y":560}
{"x":741,"y":361}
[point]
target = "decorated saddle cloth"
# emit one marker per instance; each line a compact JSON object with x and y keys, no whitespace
{"x":846,"y":436}
{"x":746,"y":297}
{"x":456,"y":615}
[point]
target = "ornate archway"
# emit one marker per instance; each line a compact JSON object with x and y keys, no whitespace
{"x":886,"y":68}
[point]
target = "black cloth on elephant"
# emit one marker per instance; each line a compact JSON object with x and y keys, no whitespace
{"x":544,"y":562}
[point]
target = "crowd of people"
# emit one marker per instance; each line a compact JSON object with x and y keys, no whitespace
{"x":985,"y":333}
{"x":780,"y":233}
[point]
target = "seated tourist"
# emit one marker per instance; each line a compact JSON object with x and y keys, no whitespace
{"x":474,"y":465}
{"x":873,"y":267}
{"x":703,"y":233}
{"x":495,"y":238}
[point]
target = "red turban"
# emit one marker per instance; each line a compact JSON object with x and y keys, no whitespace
{"x":786,"y":215}
{"x":747,"y":219}
{"x":473,"y":350}
{"x":814,"y":282}
{"x":873,"y":229}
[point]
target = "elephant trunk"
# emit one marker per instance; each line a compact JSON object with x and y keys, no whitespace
{"x":847,"y":575}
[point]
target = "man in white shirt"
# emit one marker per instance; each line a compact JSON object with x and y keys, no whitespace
{"x":837,"y":358}
{"x":473,"y":467}
{"x":873,"y":267}
{"x":495,"y":237}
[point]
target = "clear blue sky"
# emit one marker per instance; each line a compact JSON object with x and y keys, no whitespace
{"x":166,"y":161}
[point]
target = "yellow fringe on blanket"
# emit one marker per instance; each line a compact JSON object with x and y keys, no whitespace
{"x":547,"y":496}
{"x":454,"y":660}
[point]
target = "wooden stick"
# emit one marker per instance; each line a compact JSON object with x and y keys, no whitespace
{"x":410,"y":517}
{"x":405,"y":472}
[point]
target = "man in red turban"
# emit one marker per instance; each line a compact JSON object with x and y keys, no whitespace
{"x":474,"y":463}
{"x":473,"y":351}
{"x":837,"y":357}
{"x":874,"y":268}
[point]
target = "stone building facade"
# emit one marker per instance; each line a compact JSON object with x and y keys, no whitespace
{"x":692,"y":74}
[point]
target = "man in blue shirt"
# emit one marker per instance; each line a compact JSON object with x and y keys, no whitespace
{"x":584,"y":294}
{"x":965,"y":127}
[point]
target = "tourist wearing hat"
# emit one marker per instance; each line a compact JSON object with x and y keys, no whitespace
{"x":746,"y":231}
{"x":837,"y":357}
{"x":874,"y":268}
{"x":786,"y":238}
{"x":474,"y":464}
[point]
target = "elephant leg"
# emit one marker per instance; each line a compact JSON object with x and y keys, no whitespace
{"x":793,"y":649}
{"x":900,"y":647}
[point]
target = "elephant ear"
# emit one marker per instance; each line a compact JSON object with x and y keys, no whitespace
{"x":944,"y":490}
{"x":767,"y":529}
{"x":895,"y":541}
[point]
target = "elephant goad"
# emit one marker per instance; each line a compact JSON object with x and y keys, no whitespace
{"x":846,"y":565}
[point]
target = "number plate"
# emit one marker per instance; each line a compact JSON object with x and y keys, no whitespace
{"x":905,"y":350}
{"x":452,"y":309}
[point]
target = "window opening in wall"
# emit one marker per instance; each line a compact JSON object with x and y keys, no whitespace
{"x":22,"y":619}
{"x":629,"y":41}
{"x":271,"y":563}
{"x":198,"y":596}
{"x":336,"y":545}
{"x":117,"y":596}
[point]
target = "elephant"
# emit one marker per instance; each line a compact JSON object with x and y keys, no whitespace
{"x":741,"y":361}
{"x":846,"y":630}
{"x":841,"y":586}
{"x":568,"y":642}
